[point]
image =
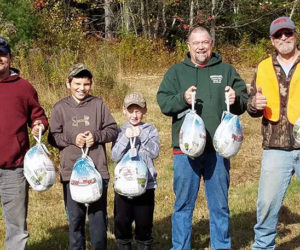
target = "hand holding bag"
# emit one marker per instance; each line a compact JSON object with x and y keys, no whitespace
{"x":192,"y":135}
{"x":38,"y":168}
{"x":228,"y":137}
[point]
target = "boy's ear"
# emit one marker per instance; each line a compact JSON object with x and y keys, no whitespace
{"x":68,"y":84}
{"x":124,"y":110}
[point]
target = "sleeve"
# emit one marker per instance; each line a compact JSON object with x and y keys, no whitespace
{"x":36,"y":111}
{"x":120,"y":146}
{"x":56,"y":136}
{"x":252,"y":111}
{"x":150,"y":143}
{"x":239,"y":86}
{"x":108,"y":130}
{"x":170,"y":100}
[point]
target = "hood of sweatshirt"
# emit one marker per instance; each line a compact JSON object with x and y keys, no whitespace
{"x":14,"y":75}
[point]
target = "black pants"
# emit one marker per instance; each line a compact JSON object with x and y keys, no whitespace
{"x":97,"y":214}
{"x":138,"y":209}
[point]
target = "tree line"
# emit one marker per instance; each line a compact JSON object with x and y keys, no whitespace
{"x":228,"y":20}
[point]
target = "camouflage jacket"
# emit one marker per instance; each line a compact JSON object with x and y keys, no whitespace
{"x":276,"y":134}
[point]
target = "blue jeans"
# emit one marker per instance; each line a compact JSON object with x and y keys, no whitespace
{"x":187,"y":174}
{"x":97,"y":214}
{"x":278,"y":166}
{"x":14,"y":201}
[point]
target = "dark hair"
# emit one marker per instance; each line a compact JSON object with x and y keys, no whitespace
{"x":82,"y":74}
{"x":196,"y":29}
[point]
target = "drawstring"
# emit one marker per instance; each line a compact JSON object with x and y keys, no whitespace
{"x":132,"y":142}
{"x":39,"y":138}
{"x":84,"y":153}
{"x":193,"y":95}
{"x":197,"y":69}
{"x":227,"y":100}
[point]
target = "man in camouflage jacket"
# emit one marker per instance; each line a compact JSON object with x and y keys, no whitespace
{"x":275,"y":96}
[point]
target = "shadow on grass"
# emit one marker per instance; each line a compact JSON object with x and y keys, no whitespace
{"x":241,"y":232}
{"x":200,"y":232}
{"x":59,"y":239}
{"x":292,"y":244}
{"x":288,"y":225}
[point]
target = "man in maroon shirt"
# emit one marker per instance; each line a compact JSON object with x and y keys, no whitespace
{"x":19,"y":109}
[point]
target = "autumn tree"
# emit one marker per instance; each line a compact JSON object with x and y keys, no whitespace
{"x":228,"y":20}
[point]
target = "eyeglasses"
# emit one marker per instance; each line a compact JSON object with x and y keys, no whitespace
{"x":3,"y":41}
{"x":203,"y":43}
{"x":279,"y":34}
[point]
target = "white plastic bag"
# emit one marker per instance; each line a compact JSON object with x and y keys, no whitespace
{"x":228,"y":137}
{"x":86,"y":181}
{"x":38,"y":168}
{"x":296,"y":131}
{"x":131,"y":174}
{"x":192,"y":135}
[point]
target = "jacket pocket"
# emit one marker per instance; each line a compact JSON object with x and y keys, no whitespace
{"x":12,"y":152}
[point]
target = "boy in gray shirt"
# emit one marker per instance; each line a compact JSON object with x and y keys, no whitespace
{"x":141,"y":208}
{"x":77,"y":121}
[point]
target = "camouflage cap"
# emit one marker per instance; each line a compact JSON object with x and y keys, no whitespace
{"x":78,"y":68}
{"x":134,"y":98}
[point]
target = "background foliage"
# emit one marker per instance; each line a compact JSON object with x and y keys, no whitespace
{"x":65,"y":24}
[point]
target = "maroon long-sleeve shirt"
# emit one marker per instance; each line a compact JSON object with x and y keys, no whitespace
{"x":19,"y":108}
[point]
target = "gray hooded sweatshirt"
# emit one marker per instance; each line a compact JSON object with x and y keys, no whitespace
{"x":147,"y":145}
{"x":68,"y":119}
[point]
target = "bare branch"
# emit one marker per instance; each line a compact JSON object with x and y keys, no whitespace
{"x":293,"y":9}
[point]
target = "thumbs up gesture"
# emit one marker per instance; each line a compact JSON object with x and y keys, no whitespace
{"x":260,"y":100}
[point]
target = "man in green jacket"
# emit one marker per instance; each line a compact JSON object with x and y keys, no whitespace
{"x":204,"y":72}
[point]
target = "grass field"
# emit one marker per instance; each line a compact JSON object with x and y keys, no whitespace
{"x":48,"y":225}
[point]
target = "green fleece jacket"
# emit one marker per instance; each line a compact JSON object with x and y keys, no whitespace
{"x":210,"y":81}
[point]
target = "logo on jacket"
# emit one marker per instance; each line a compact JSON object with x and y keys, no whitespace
{"x":216,"y":78}
{"x":84,"y":120}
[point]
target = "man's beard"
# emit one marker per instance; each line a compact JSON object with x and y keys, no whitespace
{"x":285,"y":48}
{"x":201,"y":59}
